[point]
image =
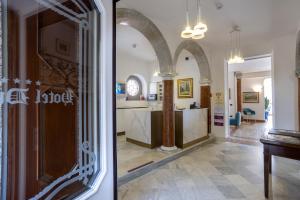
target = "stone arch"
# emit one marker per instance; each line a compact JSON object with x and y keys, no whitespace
{"x":202,"y":61}
{"x":144,"y":25}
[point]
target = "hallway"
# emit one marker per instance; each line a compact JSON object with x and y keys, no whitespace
{"x":251,"y":131}
{"x":217,"y":171}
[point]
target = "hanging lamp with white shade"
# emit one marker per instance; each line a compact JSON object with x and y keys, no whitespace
{"x":235,"y":51}
{"x":187,"y":32}
{"x":200,"y":28}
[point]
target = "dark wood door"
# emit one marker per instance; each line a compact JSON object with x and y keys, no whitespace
{"x":206,"y":103}
{"x":239,"y":94}
{"x":51,"y":130}
{"x":13,"y":136}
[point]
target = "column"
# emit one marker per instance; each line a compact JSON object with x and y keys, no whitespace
{"x":168,"y":134}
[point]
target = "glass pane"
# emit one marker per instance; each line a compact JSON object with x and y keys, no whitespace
{"x":1,"y":156}
{"x":50,"y":93}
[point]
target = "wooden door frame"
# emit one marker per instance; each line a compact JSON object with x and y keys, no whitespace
{"x":209,"y":107}
{"x":238,"y":94}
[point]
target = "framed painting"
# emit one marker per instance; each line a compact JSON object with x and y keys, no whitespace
{"x":250,"y":97}
{"x":185,"y":88}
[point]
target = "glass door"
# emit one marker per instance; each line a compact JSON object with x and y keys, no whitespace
{"x":50,"y":98}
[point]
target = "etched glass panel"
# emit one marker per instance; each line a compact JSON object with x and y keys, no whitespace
{"x":50,"y":85}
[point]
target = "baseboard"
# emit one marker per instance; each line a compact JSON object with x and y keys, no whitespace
{"x":195,"y":141}
{"x":120,"y":133}
{"x":142,"y":144}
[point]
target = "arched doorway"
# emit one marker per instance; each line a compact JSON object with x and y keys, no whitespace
{"x":205,"y":75}
{"x":199,"y":54}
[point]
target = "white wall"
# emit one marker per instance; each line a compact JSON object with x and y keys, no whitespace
{"x":247,"y":86}
{"x":232,"y":87}
{"x":285,"y":83}
{"x":187,"y":69}
{"x":217,"y":66}
{"x":129,"y":65}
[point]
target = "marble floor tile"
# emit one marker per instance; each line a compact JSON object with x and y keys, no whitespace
{"x":131,"y":156}
{"x":218,"y":171}
{"x":225,"y":170}
{"x":230,"y":192}
{"x":252,"y":131}
{"x":237,"y":179}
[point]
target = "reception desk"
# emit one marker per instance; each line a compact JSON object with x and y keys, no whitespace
{"x":190,"y":127}
{"x":142,"y":126}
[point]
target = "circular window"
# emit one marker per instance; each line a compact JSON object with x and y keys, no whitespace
{"x":133,"y":87}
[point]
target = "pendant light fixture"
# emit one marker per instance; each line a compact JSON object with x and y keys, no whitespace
{"x":200,"y":29}
{"x":187,"y":32}
{"x":235,"y":52}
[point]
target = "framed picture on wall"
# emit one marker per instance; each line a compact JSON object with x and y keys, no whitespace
{"x":185,"y":88}
{"x":250,"y":97}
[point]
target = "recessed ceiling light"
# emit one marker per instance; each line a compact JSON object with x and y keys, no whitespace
{"x":124,"y":23}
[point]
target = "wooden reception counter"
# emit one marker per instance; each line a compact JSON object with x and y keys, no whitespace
{"x":190,"y":127}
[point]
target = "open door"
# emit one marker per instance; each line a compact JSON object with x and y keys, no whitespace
{"x":56,"y":94}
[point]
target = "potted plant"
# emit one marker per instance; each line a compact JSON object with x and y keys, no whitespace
{"x":267,"y":108}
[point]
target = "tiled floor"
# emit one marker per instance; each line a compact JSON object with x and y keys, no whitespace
{"x":131,"y":156}
{"x":252,"y":131}
{"x":216,"y":171}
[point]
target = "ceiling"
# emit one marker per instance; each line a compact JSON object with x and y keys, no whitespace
{"x":252,"y":65}
{"x":134,"y":44}
{"x":259,"y":20}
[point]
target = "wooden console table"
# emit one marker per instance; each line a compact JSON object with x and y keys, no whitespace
{"x":281,"y":143}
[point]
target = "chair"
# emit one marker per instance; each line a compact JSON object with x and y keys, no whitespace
{"x":237,"y":120}
{"x":249,"y":113}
